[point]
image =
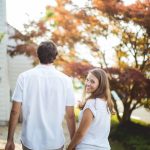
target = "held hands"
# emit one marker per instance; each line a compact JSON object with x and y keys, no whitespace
{"x":70,"y":148}
{"x":10,"y":145}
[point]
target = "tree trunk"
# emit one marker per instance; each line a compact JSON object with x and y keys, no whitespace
{"x":126,"y":117}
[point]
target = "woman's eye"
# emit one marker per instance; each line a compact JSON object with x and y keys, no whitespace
{"x":87,"y":79}
{"x":92,"y":81}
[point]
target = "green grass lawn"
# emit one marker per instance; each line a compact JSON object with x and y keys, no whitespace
{"x":115,"y":145}
{"x":134,"y":136}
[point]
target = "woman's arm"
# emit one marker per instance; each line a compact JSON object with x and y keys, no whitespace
{"x":83,"y":128}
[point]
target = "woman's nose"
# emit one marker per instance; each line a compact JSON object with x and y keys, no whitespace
{"x":88,"y":83}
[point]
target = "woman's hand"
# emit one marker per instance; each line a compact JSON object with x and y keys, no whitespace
{"x":68,"y":148}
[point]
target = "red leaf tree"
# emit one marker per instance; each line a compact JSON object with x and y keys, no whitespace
{"x":68,"y":25}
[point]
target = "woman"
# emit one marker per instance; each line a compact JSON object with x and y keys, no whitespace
{"x":94,"y":119}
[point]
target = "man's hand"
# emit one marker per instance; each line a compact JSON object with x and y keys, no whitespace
{"x":10,"y":145}
{"x":15,"y":111}
{"x":67,"y":148}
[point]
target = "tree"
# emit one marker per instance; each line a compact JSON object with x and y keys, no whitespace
{"x":132,"y":87}
{"x":139,"y":12}
{"x":134,"y":47}
{"x":66,"y":28}
{"x":69,"y":26}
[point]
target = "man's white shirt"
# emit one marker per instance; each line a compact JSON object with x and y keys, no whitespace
{"x":44,"y":93}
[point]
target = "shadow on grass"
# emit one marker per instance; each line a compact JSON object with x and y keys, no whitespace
{"x":115,"y":145}
{"x":133,"y":136}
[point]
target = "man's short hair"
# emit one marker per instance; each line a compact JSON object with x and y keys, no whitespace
{"x":47,"y":52}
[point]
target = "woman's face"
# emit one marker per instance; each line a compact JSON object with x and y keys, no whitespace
{"x":91,"y":83}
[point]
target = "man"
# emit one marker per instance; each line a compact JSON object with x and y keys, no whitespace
{"x":44,"y":94}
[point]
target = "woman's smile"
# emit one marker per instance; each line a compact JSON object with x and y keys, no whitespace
{"x":91,"y":83}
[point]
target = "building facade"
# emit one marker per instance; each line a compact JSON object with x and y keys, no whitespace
{"x":10,"y":67}
{"x":4,"y":80}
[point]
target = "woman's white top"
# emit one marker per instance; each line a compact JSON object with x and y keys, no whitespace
{"x":98,"y":132}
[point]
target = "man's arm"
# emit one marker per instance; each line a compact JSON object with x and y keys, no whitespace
{"x":14,"y":116}
{"x":70,"y":118}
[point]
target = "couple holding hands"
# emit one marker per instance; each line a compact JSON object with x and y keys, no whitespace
{"x":45,"y":95}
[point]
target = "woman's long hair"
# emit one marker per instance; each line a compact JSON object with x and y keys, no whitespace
{"x":103,"y":90}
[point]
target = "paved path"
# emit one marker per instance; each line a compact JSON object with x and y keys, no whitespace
{"x":3,"y":136}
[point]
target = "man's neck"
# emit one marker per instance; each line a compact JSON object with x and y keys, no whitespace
{"x":50,"y":64}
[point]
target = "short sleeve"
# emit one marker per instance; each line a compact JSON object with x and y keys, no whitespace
{"x":18,"y":92}
{"x":90,"y":105}
{"x":70,"y":99}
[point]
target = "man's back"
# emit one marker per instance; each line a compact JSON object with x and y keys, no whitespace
{"x":45,"y":94}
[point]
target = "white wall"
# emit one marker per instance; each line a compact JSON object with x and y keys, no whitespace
{"x":17,"y":65}
{"x":4,"y":81}
{"x":10,"y":67}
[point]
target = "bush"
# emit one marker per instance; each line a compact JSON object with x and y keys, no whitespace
{"x":133,"y":136}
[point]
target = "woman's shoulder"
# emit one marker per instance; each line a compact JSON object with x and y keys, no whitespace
{"x":90,"y":104}
{"x":99,"y":100}
{"x":90,"y":101}
{"x":96,"y":103}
